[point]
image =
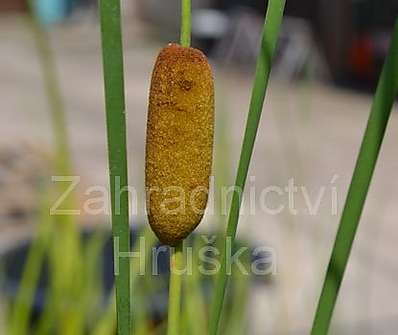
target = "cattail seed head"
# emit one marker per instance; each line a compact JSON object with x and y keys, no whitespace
{"x":179,"y":142}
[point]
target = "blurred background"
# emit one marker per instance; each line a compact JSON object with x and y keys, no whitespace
{"x":329,"y":58}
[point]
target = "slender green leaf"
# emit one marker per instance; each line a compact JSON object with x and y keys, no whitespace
{"x":268,"y":44}
{"x":112,"y":50}
{"x":383,"y":101}
{"x":21,"y":312}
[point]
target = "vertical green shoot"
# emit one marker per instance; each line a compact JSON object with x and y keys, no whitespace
{"x":21,"y":312}
{"x":176,"y":259}
{"x":268,"y":44}
{"x":22,"y":308}
{"x":176,"y":264}
{"x":386,"y":92}
{"x":53,"y":94}
{"x":112,"y":50}
{"x":185,"y":34}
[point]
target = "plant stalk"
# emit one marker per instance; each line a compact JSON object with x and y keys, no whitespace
{"x":386,"y":92}
{"x":53,"y":93}
{"x":269,"y":38}
{"x":185,"y":34}
{"x":176,"y":265}
{"x":176,"y":259}
{"x":112,"y":49}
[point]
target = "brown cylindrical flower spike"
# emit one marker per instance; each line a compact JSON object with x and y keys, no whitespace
{"x":179,"y":143}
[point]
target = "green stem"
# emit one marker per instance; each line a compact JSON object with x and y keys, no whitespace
{"x":53,"y":93}
{"x":21,"y":312}
{"x":117,"y":153}
{"x":268,"y":44}
{"x":176,"y":264}
{"x":42,"y":244}
{"x":185,"y":34}
{"x":383,"y":101}
{"x":176,"y":260}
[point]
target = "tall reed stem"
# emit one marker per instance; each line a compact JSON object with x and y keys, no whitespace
{"x":21,"y":312}
{"x":383,"y":101}
{"x":112,"y":49}
{"x":176,"y":264}
{"x":53,"y":93}
{"x":176,"y":259}
{"x":185,"y":34}
{"x":268,"y":44}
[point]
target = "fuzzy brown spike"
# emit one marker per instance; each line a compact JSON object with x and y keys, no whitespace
{"x":179,"y":142}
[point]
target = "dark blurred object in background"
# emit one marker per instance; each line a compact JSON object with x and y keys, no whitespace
{"x":372,"y":22}
{"x":13,"y":5}
{"x":48,"y":11}
{"x":351,"y":35}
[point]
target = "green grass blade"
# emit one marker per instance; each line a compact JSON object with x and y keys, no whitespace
{"x":107,"y":323}
{"x":88,"y":291}
{"x":268,"y":44}
{"x":63,"y":225}
{"x":142,"y":281}
{"x":21,"y":312}
{"x":381,"y":109}
{"x":236,"y":322}
{"x":53,"y":93}
{"x":112,"y":49}
{"x":194,"y":308}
